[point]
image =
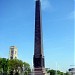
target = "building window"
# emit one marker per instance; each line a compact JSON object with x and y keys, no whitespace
{"x":15,"y":52}
{"x":11,"y":57}
{"x":11,"y":51}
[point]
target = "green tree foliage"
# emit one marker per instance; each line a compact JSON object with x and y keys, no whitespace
{"x":14,"y":64}
{"x":54,"y":72}
{"x":7,"y":65}
{"x":3,"y":64}
{"x":66,"y":73}
{"x":0,"y":64}
{"x":27,"y":67}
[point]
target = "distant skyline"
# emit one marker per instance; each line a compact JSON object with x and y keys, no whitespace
{"x":17,"y":22}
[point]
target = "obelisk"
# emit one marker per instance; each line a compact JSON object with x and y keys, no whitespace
{"x":38,"y":59}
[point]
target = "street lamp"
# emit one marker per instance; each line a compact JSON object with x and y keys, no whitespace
{"x":26,"y":70}
{"x":8,"y":71}
{"x":23,"y":68}
{"x":2,"y":71}
{"x":19,"y":69}
{"x":14,"y":71}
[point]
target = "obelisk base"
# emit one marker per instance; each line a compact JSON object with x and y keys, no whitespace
{"x":39,"y":71}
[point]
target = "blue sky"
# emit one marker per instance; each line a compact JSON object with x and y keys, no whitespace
{"x":17,"y":19}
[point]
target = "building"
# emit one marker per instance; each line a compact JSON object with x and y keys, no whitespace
{"x":13,"y":52}
{"x":71,"y":71}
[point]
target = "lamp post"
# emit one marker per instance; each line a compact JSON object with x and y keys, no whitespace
{"x":2,"y":71}
{"x":48,"y":69}
{"x":19,"y":69}
{"x":14,"y":71}
{"x":26,"y":70}
{"x":8,"y":71}
{"x":56,"y":69}
{"x":23,"y":68}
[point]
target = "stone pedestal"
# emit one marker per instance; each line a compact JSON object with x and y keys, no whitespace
{"x":34,"y":73}
{"x":39,"y":71}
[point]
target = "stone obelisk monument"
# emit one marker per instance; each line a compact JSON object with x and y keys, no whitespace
{"x":38,"y":59}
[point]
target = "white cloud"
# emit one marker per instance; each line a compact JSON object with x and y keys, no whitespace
{"x":45,"y":4}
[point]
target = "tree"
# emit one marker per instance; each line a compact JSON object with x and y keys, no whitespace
{"x":66,"y":73}
{"x":3,"y":66}
{"x":52,"y":72}
{"x":14,"y":64}
{"x":0,"y":65}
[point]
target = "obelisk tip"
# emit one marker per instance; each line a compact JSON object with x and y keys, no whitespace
{"x":37,"y":0}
